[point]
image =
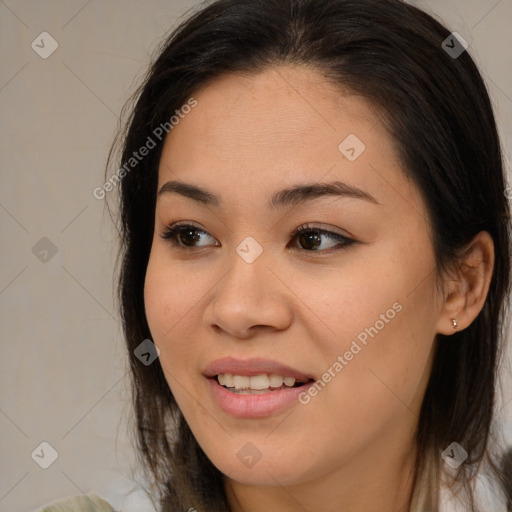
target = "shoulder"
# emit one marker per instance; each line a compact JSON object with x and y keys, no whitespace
{"x":83,"y":503}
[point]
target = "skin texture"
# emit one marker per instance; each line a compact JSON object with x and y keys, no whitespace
{"x":351,"y":447}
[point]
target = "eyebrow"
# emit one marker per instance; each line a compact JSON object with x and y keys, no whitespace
{"x":288,"y":196}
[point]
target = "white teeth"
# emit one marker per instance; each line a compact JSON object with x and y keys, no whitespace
{"x":276,"y":381}
{"x":289,"y":381}
{"x":259,"y":382}
{"x":226,"y":379}
{"x":242,"y":382}
{"x":256,"y":382}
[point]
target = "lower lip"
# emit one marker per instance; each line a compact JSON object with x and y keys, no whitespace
{"x":255,"y":406}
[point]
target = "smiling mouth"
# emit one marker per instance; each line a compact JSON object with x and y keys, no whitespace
{"x":258,"y":384}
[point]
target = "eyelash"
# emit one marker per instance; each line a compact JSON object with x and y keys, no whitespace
{"x":173,"y":230}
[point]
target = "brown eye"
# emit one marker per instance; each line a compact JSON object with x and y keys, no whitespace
{"x":311,"y":239}
{"x":186,"y":236}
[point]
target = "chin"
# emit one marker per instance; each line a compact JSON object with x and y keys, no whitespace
{"x":263,"y":473}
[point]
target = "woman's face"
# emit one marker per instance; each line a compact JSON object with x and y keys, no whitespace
{"x":351,"y":304}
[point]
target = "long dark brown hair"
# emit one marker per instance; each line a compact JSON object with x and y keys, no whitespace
{"x":438,"y":113}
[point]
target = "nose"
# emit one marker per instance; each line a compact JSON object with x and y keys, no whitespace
{"x":249,"y":299}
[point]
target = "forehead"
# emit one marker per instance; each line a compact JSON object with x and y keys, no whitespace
{"x":274,"y":128}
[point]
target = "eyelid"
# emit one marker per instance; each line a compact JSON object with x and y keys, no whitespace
{"x":323,"y":228}
{"x":184,"y":223}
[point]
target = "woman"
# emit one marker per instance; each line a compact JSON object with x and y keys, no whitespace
{"x":315,"y":237}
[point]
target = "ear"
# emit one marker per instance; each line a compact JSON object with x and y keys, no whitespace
{"x":466,"y":292}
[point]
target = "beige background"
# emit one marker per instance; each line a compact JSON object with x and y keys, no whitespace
{"x":63,"y":366}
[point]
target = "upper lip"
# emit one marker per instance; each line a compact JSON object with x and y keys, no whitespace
{"x":252,"y":367}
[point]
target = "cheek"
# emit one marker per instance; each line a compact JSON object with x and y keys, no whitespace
{"x":380,"y":319}
{"x":376,"y":299}
{"x":171,"y":299}
{"x":171,"y":303}
{"x":171,"y":291}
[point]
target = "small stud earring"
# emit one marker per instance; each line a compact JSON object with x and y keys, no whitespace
{"x":454,"y":323}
